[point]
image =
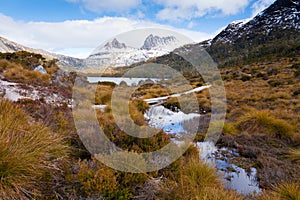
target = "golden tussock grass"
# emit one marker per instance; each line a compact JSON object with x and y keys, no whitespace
{"x":294,"y":155}
{"x":15,"y":72}
{"x":283,"y":191}
{"x":263,"y":122}
{"x":198,"y":180}
{"x":26,"y":152}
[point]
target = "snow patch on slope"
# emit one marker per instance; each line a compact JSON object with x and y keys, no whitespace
{"x":14,"y":92}
{"x":116,"y":54}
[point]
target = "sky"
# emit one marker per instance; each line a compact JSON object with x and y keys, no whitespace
{"x":77,"y":27}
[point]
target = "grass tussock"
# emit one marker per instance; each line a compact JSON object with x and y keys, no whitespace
{"x":294,"y":155}
{"x":103,"y":94}
{"x":264,"y":122}
{"x":26,"y":153}
{"x":198,"y":180}
{"x":288,"y":191}
{"x":20,"y":74}
{"x":283,"y":191}
{"x":4,"y":64}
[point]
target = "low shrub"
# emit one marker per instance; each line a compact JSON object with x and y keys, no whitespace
{"x":97,"y":178}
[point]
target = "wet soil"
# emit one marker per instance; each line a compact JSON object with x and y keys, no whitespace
{"x":266,"y":154}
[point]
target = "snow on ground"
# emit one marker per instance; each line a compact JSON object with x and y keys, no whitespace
{"x":158,"y":99}
{"x":15,"y":91}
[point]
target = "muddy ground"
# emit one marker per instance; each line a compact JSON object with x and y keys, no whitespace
{"x":268,"y":155}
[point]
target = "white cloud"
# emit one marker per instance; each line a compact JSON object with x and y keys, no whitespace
{"x":172,"y":10}
{"x":185,"y":10}
{"x":260,"y":5}
{"x":77,"y":37}
{"x":108,"y":5}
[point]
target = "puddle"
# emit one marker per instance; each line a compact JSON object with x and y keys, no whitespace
{"x":234,"y":177}
{"x":118,"y":80}
{"x":171,"y":122}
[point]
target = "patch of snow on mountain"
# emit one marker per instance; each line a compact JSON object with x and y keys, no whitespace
{"x":116,"y":54}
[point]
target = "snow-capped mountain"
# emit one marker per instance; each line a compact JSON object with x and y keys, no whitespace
{"x":281,"y":15}
{"x":115,"y":44}
{"x":160,"y":43}
{"x":7,"y":46}
{"x":115,"y":53}
{"x":112,"y":54}
{"x":276,"y":30}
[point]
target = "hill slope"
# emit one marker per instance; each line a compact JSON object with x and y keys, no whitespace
{"x":276,"y":30}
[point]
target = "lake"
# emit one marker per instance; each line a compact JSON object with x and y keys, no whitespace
{"x":118,"y":80}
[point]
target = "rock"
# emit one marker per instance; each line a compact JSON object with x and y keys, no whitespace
{"x":41,"y":69}
{"x":115,"y":44}
{"x":156,"y":41}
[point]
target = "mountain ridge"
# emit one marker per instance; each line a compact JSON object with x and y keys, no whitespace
{"x":8,"y":46}
{"x":273,"y":31}
{"x":117,"y":54}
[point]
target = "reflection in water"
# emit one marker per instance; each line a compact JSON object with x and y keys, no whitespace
{"x":235,"y":177}
{"x":118,"y":80}
{"x":177,"y":123}
{"x":171,"y":122}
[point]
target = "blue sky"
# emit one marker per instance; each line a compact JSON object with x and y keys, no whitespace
{"x":74,"y":27}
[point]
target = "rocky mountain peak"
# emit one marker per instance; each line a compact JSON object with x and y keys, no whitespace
{"x":280,"y":6}
{"x":281,"y":15}
{"x":283,"y":3}
{"x":156,"y":41}
{"x":115,"y":44}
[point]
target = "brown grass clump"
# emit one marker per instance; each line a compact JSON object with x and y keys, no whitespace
{"x":18,"y":73}
{"x":264,"y":122}
{"x":283,"y":191}
{"x":4,"y":65}
{"x":288,"y":191}
{"x":294,"y":155}
{"x":26,"y":153}
{"x":103,"y":94}
{"x":191,"y":178}
{"x":198,"y":180}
